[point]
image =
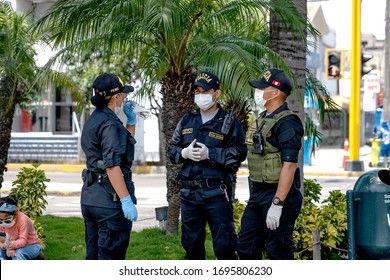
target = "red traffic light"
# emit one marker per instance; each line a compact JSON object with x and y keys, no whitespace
{"x":334,"y":64}
{"x":333,"y":71}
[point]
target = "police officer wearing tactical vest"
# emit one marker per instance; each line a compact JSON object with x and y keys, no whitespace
{"x":210,"y":143}
{"x":273,"y":142}
{"x":107,"y":196}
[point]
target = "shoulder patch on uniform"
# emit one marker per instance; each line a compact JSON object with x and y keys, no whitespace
{"x":187,"y":131}
{"x":216,"y":135}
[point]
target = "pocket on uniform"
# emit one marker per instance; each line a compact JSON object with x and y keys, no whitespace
{"x":212,"y":192}
{"x":214,"y":140}
{"x":185,"y":193}
{"x":229,"y":232}
{"x":116,"y":234}
{"x":187,"y":139}
{"x":131,"y":190}
{"x":130,"y":148}
{"x":272,"y":167}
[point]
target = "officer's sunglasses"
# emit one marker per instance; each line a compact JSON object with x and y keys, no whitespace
{"x":7,"y":221}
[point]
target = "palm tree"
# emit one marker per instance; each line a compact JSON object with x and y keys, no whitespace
{"x":173,"y":39}
{"x":17,"y":71}
{"x":20,"y":78}
{"x":293,"y":50}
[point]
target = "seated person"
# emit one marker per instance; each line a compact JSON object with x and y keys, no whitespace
{"x":18,"y":238}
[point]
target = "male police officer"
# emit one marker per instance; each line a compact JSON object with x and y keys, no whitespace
{"x":211,"y":144}
{"x":273,"y":141}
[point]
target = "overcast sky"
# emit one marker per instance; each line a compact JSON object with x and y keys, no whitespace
{"x":338,"y":14}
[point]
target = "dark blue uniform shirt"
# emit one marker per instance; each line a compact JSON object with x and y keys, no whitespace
{"x":226,"y":152}
{"x":286,"y":135}
{"x":105,"y":138}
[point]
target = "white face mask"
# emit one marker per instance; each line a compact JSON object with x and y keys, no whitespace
{"x":119,"y":109}
{"x":259,"y":98}
{"x":204,"y":101}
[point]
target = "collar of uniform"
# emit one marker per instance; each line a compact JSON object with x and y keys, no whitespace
{"x":107,"y":110}
{"x":280,"y":109}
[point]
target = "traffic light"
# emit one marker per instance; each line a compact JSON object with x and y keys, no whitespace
{"x":365,"y":69}
{"x":334,"y":64}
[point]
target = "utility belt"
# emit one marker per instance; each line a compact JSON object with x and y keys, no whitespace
{"x":90,"y":177}
{"x":262,"y":185}
{"x":102,"y":178}
{"x":200,"y":184}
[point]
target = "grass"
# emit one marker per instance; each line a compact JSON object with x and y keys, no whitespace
{"x":64,"y":240}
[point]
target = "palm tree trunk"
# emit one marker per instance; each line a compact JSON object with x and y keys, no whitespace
{"x":6,"y":119}
{"x":177,"y":100}
{"x":293,"y":51}
{"x":162,"y":141}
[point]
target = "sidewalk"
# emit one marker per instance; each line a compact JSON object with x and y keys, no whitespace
{"x":329,"y":162}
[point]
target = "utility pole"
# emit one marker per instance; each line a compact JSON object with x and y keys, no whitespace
{"x":354,"y":164}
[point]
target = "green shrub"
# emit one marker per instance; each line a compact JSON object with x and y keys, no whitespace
{"x":238,"y":211}
{"x":329,"y":217}
{"x":30,"y":190}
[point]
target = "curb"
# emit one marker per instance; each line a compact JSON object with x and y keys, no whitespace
{"x":47,"y":167}
{"x":149,"y":169}
{"x":334,"y":173}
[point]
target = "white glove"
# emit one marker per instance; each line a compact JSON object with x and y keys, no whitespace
{"x":273,"y":216}
{"x":202,"y":153}
{"x":189,"y":152}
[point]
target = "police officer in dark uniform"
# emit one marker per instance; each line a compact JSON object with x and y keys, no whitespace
{"x":273,"y":141}
{"x":211,"y":145}
{"x":107,"y":197}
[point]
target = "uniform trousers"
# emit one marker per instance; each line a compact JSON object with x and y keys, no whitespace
{"x":254,"y":236}
{"x":207,"y":205}
{"x":107,"y":233}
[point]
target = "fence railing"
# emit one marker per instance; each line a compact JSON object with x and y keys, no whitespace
{"x":316,"y":245}
{"x":43,"y":147}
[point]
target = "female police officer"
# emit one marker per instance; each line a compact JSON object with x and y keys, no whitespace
{"x":211,"y":145}
{"x":107,"y":197}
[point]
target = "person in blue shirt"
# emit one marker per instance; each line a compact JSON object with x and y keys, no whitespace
{"x":384,"y":151}
{"x":108,"y":196}
{"x":210,"y":143}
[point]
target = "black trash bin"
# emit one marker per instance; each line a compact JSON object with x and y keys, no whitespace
{"x":368,"y":216}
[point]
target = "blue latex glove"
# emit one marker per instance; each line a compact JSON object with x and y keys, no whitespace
{"x":128,"y":109}
{"x":129,"y":209}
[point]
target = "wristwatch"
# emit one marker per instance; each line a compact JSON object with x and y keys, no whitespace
{"x":277,"y":201}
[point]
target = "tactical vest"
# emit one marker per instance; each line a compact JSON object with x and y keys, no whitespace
{"x":264,"y":168}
